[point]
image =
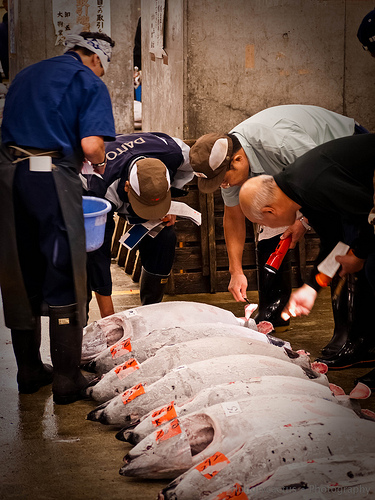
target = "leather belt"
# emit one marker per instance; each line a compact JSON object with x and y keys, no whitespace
{"x":24,"y":152}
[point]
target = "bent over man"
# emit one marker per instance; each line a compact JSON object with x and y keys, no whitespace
{"x":144,"y":170}
{"x":57,"y":112}
{"x":267,"y":142}
{"x":332,"y":186}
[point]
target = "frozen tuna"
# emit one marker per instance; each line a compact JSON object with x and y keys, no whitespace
{"x":257,"y":386}
{"x":184,"y":382}
{"x":145,"y":347}
{"x":138,"y":322}
{"x":330,"y":477}
{"x":184,"y":442}
{"x":131,"y":373}
{"x":262,"y":454}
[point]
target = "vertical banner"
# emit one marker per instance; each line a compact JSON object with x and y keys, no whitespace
{"x":157,"y":29}
{"x":93,"y":15}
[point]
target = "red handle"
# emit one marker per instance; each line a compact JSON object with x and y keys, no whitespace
{"x":275,"y":259}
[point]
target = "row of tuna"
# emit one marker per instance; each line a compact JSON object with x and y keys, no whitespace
{"x":225,"y":410}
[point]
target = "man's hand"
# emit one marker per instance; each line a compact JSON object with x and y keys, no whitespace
{"x":297,"y":230}
{"x":238,"y":286}
{"x":349,"y":263}
{"x":300,"y":303}
{"x":169,"y":219}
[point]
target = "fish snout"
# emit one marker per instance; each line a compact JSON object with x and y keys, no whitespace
{"x":131,"y":437}
{"x":90,"y":366}
{"x":124,"y":469}
{"x":98,"y":414}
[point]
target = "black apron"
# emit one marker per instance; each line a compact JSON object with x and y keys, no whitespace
{"x":18,"y":313}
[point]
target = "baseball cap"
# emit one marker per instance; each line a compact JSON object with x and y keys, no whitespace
{"x":366,"y":32}
{"x":209,"y":158}
{"x":149,"y":188}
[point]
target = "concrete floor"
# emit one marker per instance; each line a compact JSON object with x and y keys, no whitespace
{"x":52,"y":452}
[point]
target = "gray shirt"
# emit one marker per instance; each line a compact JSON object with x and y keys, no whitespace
{"x":275,"y":137}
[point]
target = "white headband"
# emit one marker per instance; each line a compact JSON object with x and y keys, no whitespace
{"x":102,"y":48}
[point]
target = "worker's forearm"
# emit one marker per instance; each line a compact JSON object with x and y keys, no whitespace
{"x":235,"y":235}
{"x":93,"y":148}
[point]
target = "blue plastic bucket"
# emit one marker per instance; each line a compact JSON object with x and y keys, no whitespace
{"x":95,"y":213}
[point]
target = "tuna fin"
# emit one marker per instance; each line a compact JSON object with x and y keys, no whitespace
{"x":360,"y":391}
{"x":337,"y":390}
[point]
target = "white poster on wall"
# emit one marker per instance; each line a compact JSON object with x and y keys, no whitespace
{"x":93,"y":15}
{"x":157,"y":29}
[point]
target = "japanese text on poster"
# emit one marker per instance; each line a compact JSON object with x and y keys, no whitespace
{"x":157,"y":29}
{"x":93,"y":15}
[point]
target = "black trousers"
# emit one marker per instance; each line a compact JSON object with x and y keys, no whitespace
{"x":42,"y":239}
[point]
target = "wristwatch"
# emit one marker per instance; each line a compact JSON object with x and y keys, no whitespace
{"x":102,"y":164}
{"x":304,"y":223}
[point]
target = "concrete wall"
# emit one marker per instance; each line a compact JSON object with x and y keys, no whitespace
{"x":35,"y":40}
{"x":229,"y":59}
{"x":163,"y":100}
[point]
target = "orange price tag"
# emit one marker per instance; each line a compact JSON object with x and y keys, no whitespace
{"x":126,"y":368}
{"x":212,"y":465}
{"x":172,"y":430}
{"x":164,"y":415}
{"x":235,"y":492}
{"x":132,"y":393}
{"x":120,"y":348}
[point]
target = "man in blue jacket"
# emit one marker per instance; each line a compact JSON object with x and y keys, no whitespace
{"x":57,"y":112}
{"x":144,"y":171}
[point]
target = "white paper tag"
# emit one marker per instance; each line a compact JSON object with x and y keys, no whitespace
{"x":40,"y":164}
{"x":329,"y":265}
{"x":231,"y":408}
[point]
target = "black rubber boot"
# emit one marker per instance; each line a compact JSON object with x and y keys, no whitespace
{"x":32,"y":373}
{"x":69,"y":385}
{"x":151,"y":287}
{"x":368,"y":379}
{"x":359,"y":348}
{"x":341,"y":306}
{"x":274,"y":289}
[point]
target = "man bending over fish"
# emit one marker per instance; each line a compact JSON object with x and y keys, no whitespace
{"x":143,"y":172}
{"x":266,"y":143}
{"x":332,"y":186}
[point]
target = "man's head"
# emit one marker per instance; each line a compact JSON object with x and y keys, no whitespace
{"x":366,"y":32}
{"x":96,"y":49}
{"x":218,"y":160}
{"x":148,"y":188}
{"x":263,"y":202}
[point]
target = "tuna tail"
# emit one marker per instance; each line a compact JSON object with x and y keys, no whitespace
{"x":291,"y":354}
{"x":312,"y":374}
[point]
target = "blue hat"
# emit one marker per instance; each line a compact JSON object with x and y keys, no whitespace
{"x":366,"y":32}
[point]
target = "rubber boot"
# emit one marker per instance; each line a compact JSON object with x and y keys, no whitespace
{"x":359,"y":348}
{"x":340,"y":308}
{"x":151,"y":287}
{"x":66,"y":346}
{"x":32,"y":373}
{"x":274,"y":290}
